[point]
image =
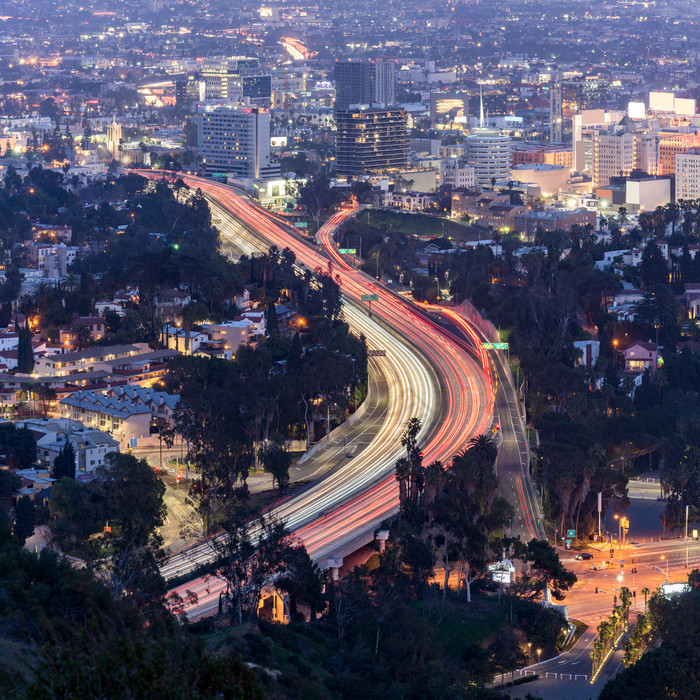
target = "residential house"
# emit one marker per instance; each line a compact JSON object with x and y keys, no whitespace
{"x":641,"y":356}
{"x":169,"y":303}
{"x":91,"y":445}
{"x":94,"y":324}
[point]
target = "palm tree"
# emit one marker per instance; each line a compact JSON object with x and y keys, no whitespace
{"x":484,"y":449}
{"x":81,"y":335}
{"x":42,"y":293}
{"x":403,"y":473}
{"x":410,"y":434}
{"x":645,"y":593}
{"x":71,"y":282}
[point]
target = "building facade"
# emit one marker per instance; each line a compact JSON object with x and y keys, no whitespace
{"x":688,"y":175}
{"x":489,"y":154}
{"x":236,"y":141}
{"x":371,"y":141}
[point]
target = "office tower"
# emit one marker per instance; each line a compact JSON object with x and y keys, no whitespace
{"x":238,"y":79}
{"x":187,"y":92}
{"x":671,"y":144}
{"x":364,"y":83}
{"x":487,"y":151}
{"x":236,"y":140}
{"x":384,"y":81}
{"x":620,"y":150}
{"x":353,"y":84}
{"x":688,"y":175}
{"x":371,"y":140}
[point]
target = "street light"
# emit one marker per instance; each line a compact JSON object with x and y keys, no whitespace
{"x":529,"y":651}
{"x":539,"y":655}
{"x":662,"y":558}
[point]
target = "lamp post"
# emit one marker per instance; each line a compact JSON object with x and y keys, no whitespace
{"x":529,"y":651}
{"x":663,"y":556}
{"x":625,"y":523}
{"x":686,"y":536}
{"x":539,"y":655}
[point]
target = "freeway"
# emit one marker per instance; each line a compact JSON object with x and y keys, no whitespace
{"x":430,"y":376}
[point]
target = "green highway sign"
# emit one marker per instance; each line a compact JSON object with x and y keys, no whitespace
{"x":348,"y":251}
{"x":571,"y":533}
{"x":370,"y":297}
{"x":494,"y":346}
{"x":301,"y":224}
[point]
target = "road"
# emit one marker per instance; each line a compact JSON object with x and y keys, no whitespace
{"x":512,"y":464}
{"x":429,"y":376}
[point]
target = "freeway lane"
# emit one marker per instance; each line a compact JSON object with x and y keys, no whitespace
{"x":430,"y":376}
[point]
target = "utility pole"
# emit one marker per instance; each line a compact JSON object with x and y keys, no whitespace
{"x":686,"y":536}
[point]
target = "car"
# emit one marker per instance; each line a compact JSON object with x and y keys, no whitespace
{"x":584,"y":555}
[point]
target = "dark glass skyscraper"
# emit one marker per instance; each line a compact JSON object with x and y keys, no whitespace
{"x":364,"y":83}
{"x":371,"y":141}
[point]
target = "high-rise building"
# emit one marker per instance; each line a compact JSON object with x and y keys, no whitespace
{"x":620,"y":150}
{"x":670,"y":145}
{"x":353,"y":84}
{"x":237,"y":79}
{"x":364,"y":83}
{"x":688,"y":175}
{"x":384,"y":81}
{"x":489,"y":153}
{"x":371,"y":140}
{"x":236,"y":141}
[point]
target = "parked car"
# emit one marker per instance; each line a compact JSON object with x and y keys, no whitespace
{"x":584,"y":555}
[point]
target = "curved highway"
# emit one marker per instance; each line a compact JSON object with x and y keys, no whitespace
{"x":430,"y":376}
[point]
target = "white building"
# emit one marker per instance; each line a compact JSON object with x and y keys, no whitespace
{"x":687,"y":175}
{"x":236,"y":141}
{"x":230,"y":334}
{"x":91,"y":445}
{"x":645,"y":194}
{"x":549,"y":179}
{"x":620,"y":150}
{"x":457,"y":173}
{"x":489,"y":153}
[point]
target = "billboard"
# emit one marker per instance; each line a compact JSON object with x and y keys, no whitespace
{"x":661,"y":101}
{"x":636,"y":110}
{"x":685,"y":107}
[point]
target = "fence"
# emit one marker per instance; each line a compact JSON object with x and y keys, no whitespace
{"x":468,"y":311}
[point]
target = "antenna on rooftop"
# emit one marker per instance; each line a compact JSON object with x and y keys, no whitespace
{"x":481,"y":106}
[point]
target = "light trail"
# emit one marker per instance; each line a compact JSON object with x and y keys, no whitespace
{"x":429,"y":374}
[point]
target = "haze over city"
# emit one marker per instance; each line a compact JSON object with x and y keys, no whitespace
{"x":350,"y":350}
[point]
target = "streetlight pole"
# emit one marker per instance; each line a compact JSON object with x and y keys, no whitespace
{"x":666,"y":558}
{"x":686,"y":536}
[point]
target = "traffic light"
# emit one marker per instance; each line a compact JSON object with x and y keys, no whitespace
{"x":596,"y":589}
{"x":634,"y":594}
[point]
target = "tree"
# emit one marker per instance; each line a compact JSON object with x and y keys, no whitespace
{"x":82,"y":335}
{"x":64,"y":462}
{"x":24,"y":519}
{"x":125,"y":560}
{"x":25,"y":352}
{"x":19,"y":445}
{"x":272,"y":323}
{"x":249,"y":556}
{"x":546,"y":571}
{"x":316,"y":195}
{"x":277,"y":462}
{"x":653,"y":268}
{"x":484,"y":448}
